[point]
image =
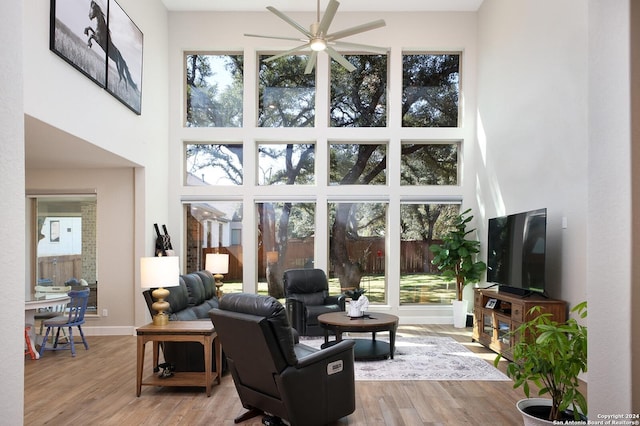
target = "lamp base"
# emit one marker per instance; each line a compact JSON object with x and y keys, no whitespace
{"x":160,"y":319}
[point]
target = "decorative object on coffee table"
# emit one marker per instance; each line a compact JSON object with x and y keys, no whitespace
{"x":358,"y":302}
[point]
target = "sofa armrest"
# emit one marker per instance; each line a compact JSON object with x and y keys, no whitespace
{"x":296,"y":314}
{"x":339,"y":300}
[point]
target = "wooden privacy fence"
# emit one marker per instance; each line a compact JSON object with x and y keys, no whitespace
{"x":56,"y":270}
{"x":415,"y":256}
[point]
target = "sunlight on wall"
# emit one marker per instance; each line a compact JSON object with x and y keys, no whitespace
{"x":492,"y":193}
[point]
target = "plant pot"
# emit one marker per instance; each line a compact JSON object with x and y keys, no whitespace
{"x":531,"y":420}
{"x":459,"y":313}
{"x":531,"y":408}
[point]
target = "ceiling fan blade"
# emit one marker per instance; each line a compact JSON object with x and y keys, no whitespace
{"x":363,"y":47}
{"x":356,"y":30}
{"x":275,"y":37}
{"x":328,"y":16}
{"x":340,"y":59}
{"x":289,"y":21}
{"x":288,"y":52}
{"x":311,"y":63}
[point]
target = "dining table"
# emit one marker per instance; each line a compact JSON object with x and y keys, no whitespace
{"x":32,"y":304}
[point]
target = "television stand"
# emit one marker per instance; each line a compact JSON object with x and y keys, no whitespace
{"x":496,"y":314}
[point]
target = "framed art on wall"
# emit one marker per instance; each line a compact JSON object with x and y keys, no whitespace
{"x":124,"y":63}
{"x":69,"y":36}
{"x":99,"y":39}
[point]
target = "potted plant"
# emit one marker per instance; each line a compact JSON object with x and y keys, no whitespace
{"x":456,"y":259}
{"x":358,"y":302}
{"x":550,"y":355}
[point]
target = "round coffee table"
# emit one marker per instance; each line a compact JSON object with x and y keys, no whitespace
{"x":365,"y":349}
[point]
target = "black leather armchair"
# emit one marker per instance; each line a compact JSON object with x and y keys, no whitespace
{"x":275,"y":376}
{"x":307,"y":297}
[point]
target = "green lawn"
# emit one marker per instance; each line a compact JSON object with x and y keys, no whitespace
{"x":414,"y":288}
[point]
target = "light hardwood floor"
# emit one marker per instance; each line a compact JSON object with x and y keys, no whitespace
{"x":98,"y":387}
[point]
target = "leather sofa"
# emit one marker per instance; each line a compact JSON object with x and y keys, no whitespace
{"x":190,"y":301}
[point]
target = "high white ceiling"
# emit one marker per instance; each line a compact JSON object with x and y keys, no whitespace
{"x":310,"y":5}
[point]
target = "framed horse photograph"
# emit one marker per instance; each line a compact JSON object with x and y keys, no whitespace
{"x":99,"y":39}
{"x":69,"y":37}
{"x":124,"y":63}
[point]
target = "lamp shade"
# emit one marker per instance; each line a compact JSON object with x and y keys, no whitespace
{"x":217,"y":263}
{"x":161,"y":271}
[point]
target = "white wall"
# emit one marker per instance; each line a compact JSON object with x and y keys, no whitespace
{"x":63,"y":98}
{"x":609,"y":282}
{"x":553,"y":106}
{"x":532,"y":126}
{"x":12,"y":212}
{"x":115,"y":243}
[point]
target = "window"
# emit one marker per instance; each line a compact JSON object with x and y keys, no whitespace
{"x":422,"y":225}
{"x":286,"y":94}
{"x":286,"y":233}
{"x":321,"y":186}
{"x":210,"y":229}
{"x":357,"y":247}
{"x":65,"y":243}
{"x":430,"y":90}
{"x":213,"y":90}
{"x":429,"y":164}
{"x":213,"y":164}
{"x":359,"y":98}
{"x":286,"y":164}
{"x":358,"y":164}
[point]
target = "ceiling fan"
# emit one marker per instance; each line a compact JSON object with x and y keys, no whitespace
{"x":317,"y":38}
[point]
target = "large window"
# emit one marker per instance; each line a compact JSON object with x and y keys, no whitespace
{"x":286,"y":94}
{"x":429,"y":164}
{"x":65,"y":244}
{"x":360,"y":190}
{"x":286,"y":164}
{"x":421,"y":226}
{"x":215,"y":227}
{"x":359,"y":98}
{"x":286,"y":233}
{"x":213,"y":164}
{"x":357,"y":164}
{"x":430,"y":90}
{"x":213,"y":90}
{"x":357,"y":247}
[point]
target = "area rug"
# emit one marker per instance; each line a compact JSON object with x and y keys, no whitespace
{"x":424,"y":358}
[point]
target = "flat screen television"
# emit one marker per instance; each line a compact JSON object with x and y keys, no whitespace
{"x":516,"y":248}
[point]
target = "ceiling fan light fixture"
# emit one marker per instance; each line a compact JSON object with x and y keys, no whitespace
{"x":318,"y":44}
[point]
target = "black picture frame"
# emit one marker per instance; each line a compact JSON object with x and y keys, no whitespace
{"x":491,"y":303}
{"x":98,"y":38}
{"x":68,"y":38}
{"x":124,"y":63}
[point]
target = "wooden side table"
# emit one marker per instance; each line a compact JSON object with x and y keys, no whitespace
{"x":179,"y":331}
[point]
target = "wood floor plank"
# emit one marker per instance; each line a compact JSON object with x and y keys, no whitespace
{"x":98,"y":386}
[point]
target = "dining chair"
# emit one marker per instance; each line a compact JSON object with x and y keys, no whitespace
{"x":75,"y":318}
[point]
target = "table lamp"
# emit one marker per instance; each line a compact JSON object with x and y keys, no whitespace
{"x":217,"y":264}
{"x":158,"y":273}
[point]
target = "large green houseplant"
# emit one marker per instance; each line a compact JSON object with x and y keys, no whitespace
{"x":551,"y":355}
{"x":456,"y":256}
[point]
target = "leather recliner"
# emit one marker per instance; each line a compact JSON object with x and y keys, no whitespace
{"x":275,"y":376}
{"x":307,"y":297}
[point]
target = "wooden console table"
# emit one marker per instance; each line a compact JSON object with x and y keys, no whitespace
{"x":497,"y":314}
{"x":179,"y":331}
